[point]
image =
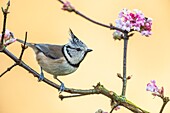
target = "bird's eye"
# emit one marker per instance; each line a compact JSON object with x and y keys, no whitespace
{"x":78,"y":49}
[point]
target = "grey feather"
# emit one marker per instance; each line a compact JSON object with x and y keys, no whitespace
{"x":75,"y":41}
{"x":28,"y":44}
{"x":49,"y":50}
{"x":52,"y":51}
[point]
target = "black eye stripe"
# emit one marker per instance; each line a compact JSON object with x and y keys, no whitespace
{"x":78,"y":49}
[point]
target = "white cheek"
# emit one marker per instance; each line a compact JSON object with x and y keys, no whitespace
{"x":67,"y":56}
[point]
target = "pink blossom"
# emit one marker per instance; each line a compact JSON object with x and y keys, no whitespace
{"x":8,"y":38}
{"x":127,"y":26}
{"x":146,"y":33}
{"x":119,"y":23}
{"x":117,"y":108}
{"x":146,"y":28}
{"x":10,"y":41}
{"x":152,"y":87}
{"x":134,"y":20}
{"x":68,"y":7}
{"x":7,"y":35}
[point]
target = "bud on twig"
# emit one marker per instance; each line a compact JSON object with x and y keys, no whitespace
{"x":68,"y":7}
{"x":119,"y":75}
{"x":129,"y":77}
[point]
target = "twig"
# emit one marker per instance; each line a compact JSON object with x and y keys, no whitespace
{"x":98,"y":23}
{"x":8,"y":69}
{"x":124,"y":64}
{"x":119,"y":76}
{"x":23,"y":47}
{"x":61,"y":1}
{"x":5,"y":13}
{"x":165,"y":101}
{"x":93,"y":21}
{"x":20,"y":58}
{"x":70,"y":96}
{"x":114,"y":107}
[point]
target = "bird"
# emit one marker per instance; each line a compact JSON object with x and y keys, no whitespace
{"x":59,"y":60}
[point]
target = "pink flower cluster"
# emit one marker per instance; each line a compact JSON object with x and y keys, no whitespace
{"x":8,"y":38}
{"x":133,"y":21}
{"x":152,"y":87}
{"x":68,"y":7}
{"x":117,"y":108}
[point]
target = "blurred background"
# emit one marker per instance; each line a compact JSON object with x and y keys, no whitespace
{"x":45,"y":22}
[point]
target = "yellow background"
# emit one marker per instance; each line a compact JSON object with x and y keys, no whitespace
{"x":148,"y":57}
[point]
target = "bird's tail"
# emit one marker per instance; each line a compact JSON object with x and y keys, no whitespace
{"x":27,"y":43}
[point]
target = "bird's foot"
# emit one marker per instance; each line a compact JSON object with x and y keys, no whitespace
{"x":41,"y":77}
{"x":62,"y":88}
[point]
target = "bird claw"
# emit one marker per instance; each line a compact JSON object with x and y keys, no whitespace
{"x":62,"y":88}
{"x":41,"y":77}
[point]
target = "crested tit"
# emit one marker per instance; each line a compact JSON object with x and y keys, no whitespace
{"x":59,"y":60}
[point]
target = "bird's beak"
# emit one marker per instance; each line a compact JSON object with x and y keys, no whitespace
{"x":89,"y":50}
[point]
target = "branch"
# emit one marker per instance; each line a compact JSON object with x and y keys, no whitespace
{"x":114,"y":106}
{"x":8,"y":69}
{"x":98,"y":89}
{"x":98,"y":23}
{"x":68,"y":7}
{"x":70,"y":96}
{"x":124,"y":64}
{"x":18,"y":61}
{"x":5,"y":13}
{"x":165,"y":101}
{"x":61,"y":1}
{"x":23,"y":47}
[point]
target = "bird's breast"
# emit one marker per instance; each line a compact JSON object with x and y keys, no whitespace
{"x":57,"y":67}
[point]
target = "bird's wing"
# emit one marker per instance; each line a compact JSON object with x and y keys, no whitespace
{"x":52,"y":51}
